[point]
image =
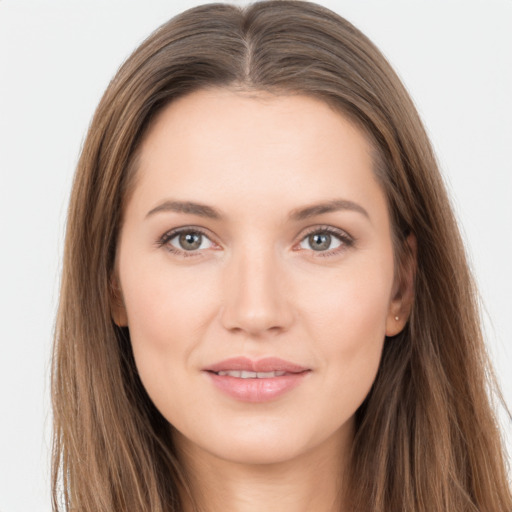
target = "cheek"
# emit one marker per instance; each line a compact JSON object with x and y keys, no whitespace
{"x":350,"y":302}
{"x":167,"y":309}
{"x":348,"y":322}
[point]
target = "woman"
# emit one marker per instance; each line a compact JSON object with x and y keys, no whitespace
{"x":265,"y":299}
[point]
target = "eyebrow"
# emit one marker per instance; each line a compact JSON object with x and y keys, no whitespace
{"x":326,"y":207}
{"x":297,"y":214}
{"x":202,"y":210}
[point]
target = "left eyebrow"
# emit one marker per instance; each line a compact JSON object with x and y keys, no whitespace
{"x":326,"y":207}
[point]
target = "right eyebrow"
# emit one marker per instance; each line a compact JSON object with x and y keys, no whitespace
{"x":202,"y":210}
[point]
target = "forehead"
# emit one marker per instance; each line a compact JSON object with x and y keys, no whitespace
{"x":231,"y":146}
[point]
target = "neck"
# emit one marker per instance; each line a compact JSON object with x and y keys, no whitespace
{"x":309,"y":482}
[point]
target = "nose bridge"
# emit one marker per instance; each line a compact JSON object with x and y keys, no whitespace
{"x":255,"y":295}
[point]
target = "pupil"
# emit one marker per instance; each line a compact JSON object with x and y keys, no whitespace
{"x":320,"y":241}
{"x":190,"y":241}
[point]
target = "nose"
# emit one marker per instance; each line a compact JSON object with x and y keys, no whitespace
{"x":256,"y":298}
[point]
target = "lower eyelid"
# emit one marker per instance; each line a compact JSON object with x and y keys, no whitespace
{"x":182,"y":253}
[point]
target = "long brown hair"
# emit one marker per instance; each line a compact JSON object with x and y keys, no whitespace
{"x":426,"y":436}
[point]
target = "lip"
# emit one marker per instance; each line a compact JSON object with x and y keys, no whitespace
{"x":253,"y":389}
{"x":267,"y":364}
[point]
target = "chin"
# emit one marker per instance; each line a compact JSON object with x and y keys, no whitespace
{"x":262,"y":442}
{"x":250,"y":454}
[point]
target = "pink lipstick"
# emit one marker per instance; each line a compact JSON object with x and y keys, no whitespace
{"x":256,"y":381}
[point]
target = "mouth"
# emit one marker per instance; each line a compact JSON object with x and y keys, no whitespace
{"x":256,"y":381}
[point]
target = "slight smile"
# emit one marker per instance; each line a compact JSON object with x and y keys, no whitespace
{"x":256,"y":381}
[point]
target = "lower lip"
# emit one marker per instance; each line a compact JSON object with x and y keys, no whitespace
{"x":257,"y":390}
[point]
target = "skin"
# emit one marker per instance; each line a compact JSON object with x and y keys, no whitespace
{"x":256,"y":287}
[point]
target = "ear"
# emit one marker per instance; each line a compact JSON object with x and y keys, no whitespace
{"x":403,"y":291}
{"x":117,"y":307}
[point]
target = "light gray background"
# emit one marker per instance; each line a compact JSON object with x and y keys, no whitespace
{"x":56,"y":58}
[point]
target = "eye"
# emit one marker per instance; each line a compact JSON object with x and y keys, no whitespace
{"x":186,"y":242}
{"x":326,"y":240}
{"x":189,"y":240}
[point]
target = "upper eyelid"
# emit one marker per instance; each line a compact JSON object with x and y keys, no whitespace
{"x":168,"y":235}
{"x":329,"y":229}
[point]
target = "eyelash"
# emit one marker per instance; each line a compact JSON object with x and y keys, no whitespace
{"x":346,"y":240}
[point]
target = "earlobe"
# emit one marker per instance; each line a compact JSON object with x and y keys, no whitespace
{"x":395,"y":324}
{"x":403,"y":296}
{"x":117,"y":307}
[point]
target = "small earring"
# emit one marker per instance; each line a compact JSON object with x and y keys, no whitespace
{"x":397,"y":318}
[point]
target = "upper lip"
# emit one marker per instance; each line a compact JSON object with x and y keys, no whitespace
{"x":267,"y":364}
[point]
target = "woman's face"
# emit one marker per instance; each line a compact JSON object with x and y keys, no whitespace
{"x":255,"y":265}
